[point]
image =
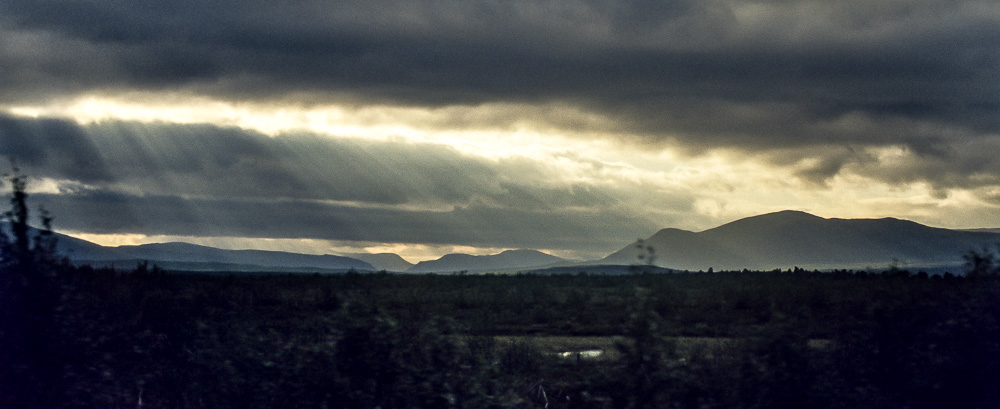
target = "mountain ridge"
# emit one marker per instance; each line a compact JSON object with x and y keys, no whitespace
{"x":383,"y":261}
{"x":506,"y":260}
{"x":772,"y":240}
{"x":794,"y":238}
{"x":196,"y":257}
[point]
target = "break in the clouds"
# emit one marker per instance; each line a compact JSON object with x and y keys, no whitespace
{"x":517,"y":117}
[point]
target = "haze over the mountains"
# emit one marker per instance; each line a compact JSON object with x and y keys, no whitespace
{"x":776,"y":240}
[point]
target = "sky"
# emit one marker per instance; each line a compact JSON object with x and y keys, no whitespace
{"x":426,"y":127}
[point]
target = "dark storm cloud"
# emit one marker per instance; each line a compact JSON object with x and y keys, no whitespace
{"x":924,"y":59}
{"x":126,"y":177}
{"x":760,"y":76}
{"x":58,"y":147}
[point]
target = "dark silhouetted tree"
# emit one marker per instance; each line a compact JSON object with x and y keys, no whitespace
{"x":981,"y":263}
{"x":29,"y":294}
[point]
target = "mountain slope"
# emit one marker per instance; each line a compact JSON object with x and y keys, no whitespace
{"x":383,"y":261}
{"x":507,"y":260}
{"x":202,"y":258}
{"x":789,"y":238}
{"x":671,"y":245}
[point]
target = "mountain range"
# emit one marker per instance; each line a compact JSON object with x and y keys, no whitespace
{"x":782,"y":240}
{"x":507,"y":260}
{"x":193,"y":257}
{"x":792,"y":238}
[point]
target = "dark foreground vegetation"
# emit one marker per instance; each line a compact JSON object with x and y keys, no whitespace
{"x":77,"y":337}
{"x":91,"y":338}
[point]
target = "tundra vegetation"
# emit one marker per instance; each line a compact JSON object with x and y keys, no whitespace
{"x":80,"y":337}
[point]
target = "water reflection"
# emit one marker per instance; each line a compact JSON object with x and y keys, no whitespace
{"x":590,"y":353}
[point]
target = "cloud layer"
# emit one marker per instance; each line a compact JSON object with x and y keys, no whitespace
{"x":127,"y":177}
{"x":743,"y":66}
{"x":823,"y":94}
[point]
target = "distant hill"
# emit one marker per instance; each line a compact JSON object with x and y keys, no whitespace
{"x":791,"y":238}
{"x":193,"y":257}
{"x":505,"y":261}
{"x":985,"y":230}
{"x":383,"y":261}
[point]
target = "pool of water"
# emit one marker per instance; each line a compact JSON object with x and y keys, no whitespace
{"x":586,"y":354}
